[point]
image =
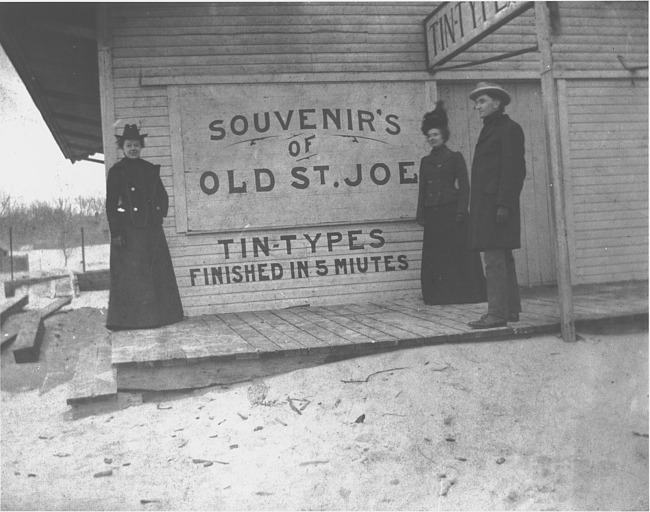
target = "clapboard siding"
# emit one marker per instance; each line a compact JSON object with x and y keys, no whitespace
{"x":589,"y":37}
{"x":213,"y":43}
{"x":241,"y":39}
{"x":617,"y":29}
{"x":609,"y":169}
{"x":167,"y":40}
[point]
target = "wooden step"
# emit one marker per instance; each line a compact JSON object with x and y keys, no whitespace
{"x":94,"y":378}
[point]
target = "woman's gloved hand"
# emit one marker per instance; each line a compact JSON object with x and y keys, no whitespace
{"x":118,"y":241}
{"x":503,"y":214}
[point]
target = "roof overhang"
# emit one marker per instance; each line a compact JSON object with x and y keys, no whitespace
{"x":53,"y":47}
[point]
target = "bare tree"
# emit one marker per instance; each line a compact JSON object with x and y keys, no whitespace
{"x":5,"y":204}
{"x":63,"y":216}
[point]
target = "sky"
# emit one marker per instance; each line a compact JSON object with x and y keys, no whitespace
{"x":33,"y":167}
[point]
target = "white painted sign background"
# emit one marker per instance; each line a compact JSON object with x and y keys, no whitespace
{"x":305,"y":154}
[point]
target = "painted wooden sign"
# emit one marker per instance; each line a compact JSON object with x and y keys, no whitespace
{"x":285,"y":155}
{"x":455,"y":26}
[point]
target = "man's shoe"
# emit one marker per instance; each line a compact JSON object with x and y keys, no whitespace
{"x":488,"y":322}
{"x":514,"y":317}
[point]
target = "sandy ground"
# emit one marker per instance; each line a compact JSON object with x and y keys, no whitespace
{"x":531,"y":424}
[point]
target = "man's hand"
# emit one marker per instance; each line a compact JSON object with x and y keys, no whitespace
{"x":503,"y":214}
{"x":118,"y":241}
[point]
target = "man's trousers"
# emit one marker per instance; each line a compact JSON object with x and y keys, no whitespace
{"x":502,"y":287}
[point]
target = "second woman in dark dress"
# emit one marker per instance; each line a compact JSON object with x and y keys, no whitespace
{"x":451,"y":273}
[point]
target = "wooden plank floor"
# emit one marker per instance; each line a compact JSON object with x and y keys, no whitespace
{"x":360,"y":327}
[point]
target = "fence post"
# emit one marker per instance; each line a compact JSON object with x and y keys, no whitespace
{"x":83,"y":251}
{"x":11,"y":251}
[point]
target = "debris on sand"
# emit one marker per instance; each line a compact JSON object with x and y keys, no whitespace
{"x":445,"y":485}
{"x":257,"y":393}
{"x":108,"y":472}
{"x":293,"y":407}
{"x":375,"y":373}
{"x":360,"y":419}
{"x":500,"y":460}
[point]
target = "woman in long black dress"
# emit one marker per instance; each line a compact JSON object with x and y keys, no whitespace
{"x":450,"y":273}
{"x":143,"y":290}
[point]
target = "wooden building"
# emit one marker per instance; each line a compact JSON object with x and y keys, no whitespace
{"x":289,"y":138}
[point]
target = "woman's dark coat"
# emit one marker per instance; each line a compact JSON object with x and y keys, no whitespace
{"x":439,"y":172}
{"x":450,"y":272}
{"x":143,"y":289}
{"x":498,"y":172}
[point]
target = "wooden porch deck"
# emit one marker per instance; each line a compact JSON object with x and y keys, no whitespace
{"x":224,"y":348}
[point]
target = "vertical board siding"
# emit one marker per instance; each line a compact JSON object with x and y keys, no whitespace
{"x":220,"y":39}
{"x":608,"y":149}
{"x":535,"y":260}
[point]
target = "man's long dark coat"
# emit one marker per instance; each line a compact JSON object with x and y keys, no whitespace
{"x":498,"y":172}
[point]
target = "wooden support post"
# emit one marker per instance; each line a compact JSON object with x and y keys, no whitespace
{"x":106,"y":92}
{"x":554,"y":148}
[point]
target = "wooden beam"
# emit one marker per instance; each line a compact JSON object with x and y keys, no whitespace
{"x":554,"y":148}
{"x":27,"y":347}
{"x":12,"y":286}
{"x":94,"y":280}
{"x":12,"y":306}
{"x":28,"y":342}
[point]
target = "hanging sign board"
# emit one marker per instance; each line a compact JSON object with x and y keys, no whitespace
{"x":455,"y":26}
{"x":286,"y":155}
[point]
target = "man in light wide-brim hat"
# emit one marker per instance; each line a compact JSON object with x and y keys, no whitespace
{"x":498,"y":172}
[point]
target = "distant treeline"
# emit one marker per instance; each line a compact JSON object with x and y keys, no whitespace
{"x":53,"y":225}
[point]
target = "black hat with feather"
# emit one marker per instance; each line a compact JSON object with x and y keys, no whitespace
{"x":437,"y":118}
